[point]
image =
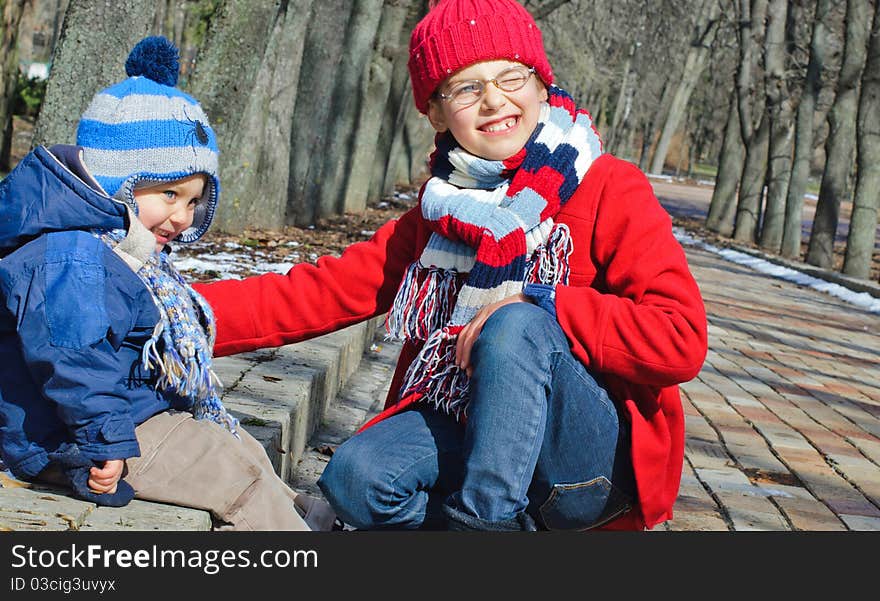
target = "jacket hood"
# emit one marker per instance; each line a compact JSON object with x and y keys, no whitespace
{"x":50,"y":190}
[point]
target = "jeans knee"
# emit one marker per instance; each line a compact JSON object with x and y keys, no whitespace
{"x":518,"y":329}
{"x":364,"y":494}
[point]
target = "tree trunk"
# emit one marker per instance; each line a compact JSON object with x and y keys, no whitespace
{"x":803,"y":147}
{"x":254,"y":137}
{"x":645,"y":150}
{"x":730,"y":164}
{"x":781,"y":113}
{"x":750,"y":102}
{"x":622,"y":100}
{"x":376,"y":104}
{"x":649,"y":128}
{"x":840,"y":145}
{"x":312,"y":114}
{"x":90,"y":55}
{"x":751,"y":34}
{"x":12,"y":11}
{"x":384,"y":168}
{"x":392,"y":164}
{"x":693,"y":68}
{"x":863,"y":223}
{"x":751,"y":192}
{"x":349,"y":91}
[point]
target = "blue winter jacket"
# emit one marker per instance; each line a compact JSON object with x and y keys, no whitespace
{"x":73,"y":320}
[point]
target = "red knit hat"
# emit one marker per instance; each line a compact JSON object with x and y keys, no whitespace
{"x":458,"y":33}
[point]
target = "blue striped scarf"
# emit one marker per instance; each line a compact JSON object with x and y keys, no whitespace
{"x":180,"y":349}
{"x":492,"y":232}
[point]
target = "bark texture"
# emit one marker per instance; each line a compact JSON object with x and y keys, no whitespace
{"x":860,"y":244}
{"x":840,"y":145}
{"x":722,"y":208}
{"x":12,"y":11}
{"x":804,"y":130}
{"x":90,"y":55}
{"x":781,"y":114}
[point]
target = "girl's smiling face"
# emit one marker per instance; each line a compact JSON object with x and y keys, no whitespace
{"x":500,"y":123}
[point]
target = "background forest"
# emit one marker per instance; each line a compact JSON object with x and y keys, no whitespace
{"x":773,"y":99}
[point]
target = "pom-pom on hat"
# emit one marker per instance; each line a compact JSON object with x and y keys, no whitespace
{"x":458,"y":33}
{"x":144,"y":130}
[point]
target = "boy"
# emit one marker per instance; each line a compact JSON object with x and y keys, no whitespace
{"x":547,"y":311}
{"x":105,"y":351}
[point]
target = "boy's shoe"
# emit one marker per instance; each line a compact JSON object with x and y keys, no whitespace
{"x":317,"y":513}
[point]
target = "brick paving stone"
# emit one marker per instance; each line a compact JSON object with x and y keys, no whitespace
{"x":803,"y":510}
{"x":694,"y":509}
{"x":868,"y":445}
{"x":859,"y":522}
{"x":747,"y":505}
{"x":781,"y":436}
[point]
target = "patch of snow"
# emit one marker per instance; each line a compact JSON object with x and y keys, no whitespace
{"x":860,"y":299}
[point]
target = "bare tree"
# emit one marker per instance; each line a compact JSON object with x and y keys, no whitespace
{"x":816,"y":78}
{"x":863,"y":223}
{"x":695,"y":61}
{"x":246,"y":79}
{"x":12,"y":12}
{"x":91,"y":36}
{"x":378,"y":84}
{"x":348,"y":94}
{"x":755,"y":133}
{"x":840,"y":144}
{"x":781,"y":113}
{"x":722,"y":208}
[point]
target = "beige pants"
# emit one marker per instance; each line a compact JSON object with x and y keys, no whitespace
{"x":197,"y":463}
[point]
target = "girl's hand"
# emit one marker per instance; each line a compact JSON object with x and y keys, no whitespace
{"x":103,"y":480}
{"x":471,"y":331}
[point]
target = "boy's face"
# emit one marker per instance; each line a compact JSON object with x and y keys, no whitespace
{"x":167,"y":208}
{"x":497,"y":125}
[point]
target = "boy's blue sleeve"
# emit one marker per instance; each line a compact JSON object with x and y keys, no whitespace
{"x":65,"y":333}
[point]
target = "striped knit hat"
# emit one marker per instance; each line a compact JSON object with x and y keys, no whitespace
{"x":144,"y":130}
{"x":458,"y":33}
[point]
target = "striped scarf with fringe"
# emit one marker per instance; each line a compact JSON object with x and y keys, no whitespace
{"x":492,"y":233}
{"x":179,"y":351}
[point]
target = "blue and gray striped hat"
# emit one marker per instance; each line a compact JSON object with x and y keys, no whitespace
{"x":144,"y":130}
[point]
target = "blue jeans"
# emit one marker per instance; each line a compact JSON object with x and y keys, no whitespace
{"x":543,"y":445}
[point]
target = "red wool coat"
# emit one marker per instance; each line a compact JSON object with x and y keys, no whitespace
{"x":631,"y":311}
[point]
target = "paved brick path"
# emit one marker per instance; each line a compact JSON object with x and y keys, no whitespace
{"x":783,"y":421}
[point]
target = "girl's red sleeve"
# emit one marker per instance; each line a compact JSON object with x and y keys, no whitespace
{"x":309,"y":300}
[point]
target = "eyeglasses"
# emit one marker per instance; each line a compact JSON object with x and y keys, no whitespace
{"x":466,"y":93}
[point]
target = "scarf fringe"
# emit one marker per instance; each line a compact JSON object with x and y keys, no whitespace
{"x":434,"y":375}
{"x":550,"y":262}
{"x":423,"y":304}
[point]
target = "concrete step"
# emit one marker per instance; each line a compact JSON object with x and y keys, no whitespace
{"x":358,"y":401}
{"x":279,"y":395}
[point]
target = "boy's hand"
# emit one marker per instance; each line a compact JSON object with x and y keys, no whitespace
{"x":103,"y":480}
{"x":471,"y":331}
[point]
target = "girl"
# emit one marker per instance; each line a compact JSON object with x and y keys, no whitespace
{"x":548,"y":313}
